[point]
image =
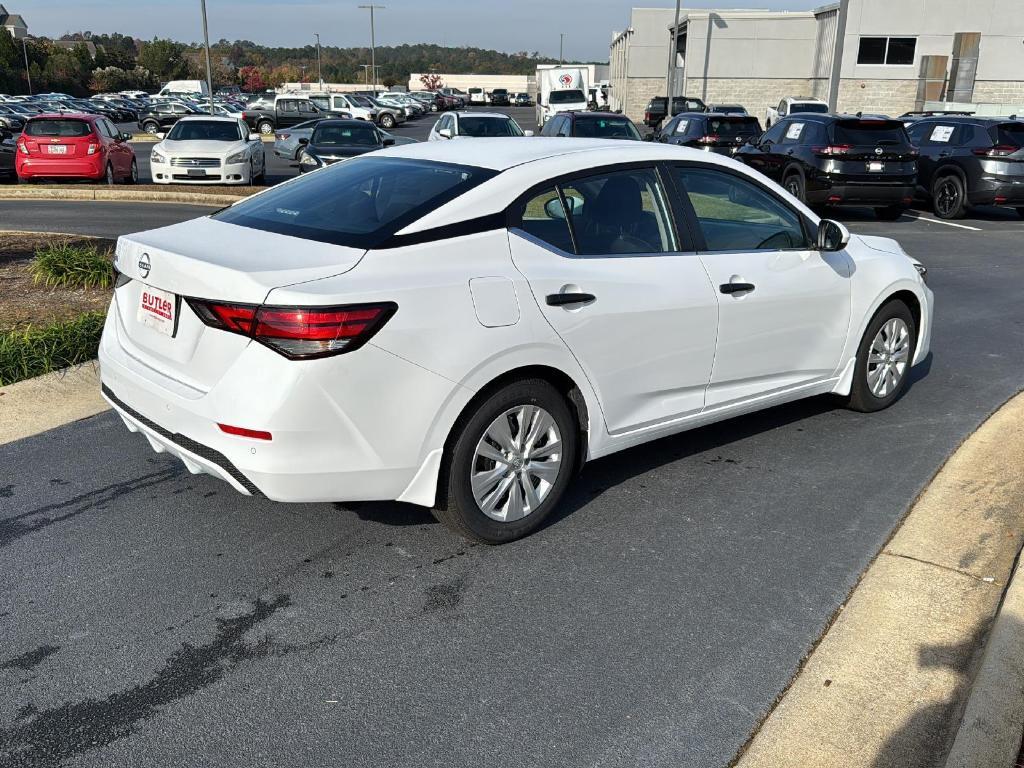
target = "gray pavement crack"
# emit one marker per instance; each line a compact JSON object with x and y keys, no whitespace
{"x":991,"y":582}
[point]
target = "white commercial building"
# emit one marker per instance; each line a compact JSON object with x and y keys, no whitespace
{"x":514,"y":83}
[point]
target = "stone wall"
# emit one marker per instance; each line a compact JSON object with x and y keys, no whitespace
{"x":886,"y":97}
{"x":999,"y":91}
{"x":639,"y":91}
{"x":756,"y":94}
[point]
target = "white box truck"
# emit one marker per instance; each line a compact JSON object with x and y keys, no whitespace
{"x":560,"y":89}
{"x":185,"y":87}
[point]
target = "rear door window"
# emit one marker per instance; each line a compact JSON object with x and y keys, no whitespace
{"x":1010,"y":134}
{"x":543,"y":216}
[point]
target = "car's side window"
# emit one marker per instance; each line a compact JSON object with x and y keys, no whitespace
{"x":565,"y":127}
{"x":623,"y":212}
{"x":543,"y":216}
{"x":794,"y":132}
{"x":682,"y":126}
{"x":287,"y":105}
{"x":775,"y":133}
{"x":737,"y":215}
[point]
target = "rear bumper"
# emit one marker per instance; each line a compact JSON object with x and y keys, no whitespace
{"x":31,"y":167}
{"x":343,"y":428}
{"x":998,"y":190}
{"x":863,"y":194}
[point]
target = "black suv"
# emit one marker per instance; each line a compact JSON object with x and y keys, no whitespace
{"x":160,"y":116}
{"x":711,"y":131}
{"x":499,"y":97}
{"x":655,"y":111}
{"x":591,"y":125}
{"x":969,"y":161}
{"x":839,"y":160}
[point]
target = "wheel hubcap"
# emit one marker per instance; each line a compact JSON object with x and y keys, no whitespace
{"x":947,"y":197}
{"x":888,"y":358}
{"x":516,"y":463}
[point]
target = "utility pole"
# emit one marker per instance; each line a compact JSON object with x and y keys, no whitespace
{"x":837,"y":55}
{"x":373,"y":43}
{"x":561,"y":47}
{"x":670,"y":76}
{"x":206,"y":42}
{"x":319,"y":72}
{"x":28,"y":74}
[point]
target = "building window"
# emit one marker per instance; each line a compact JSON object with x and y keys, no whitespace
{"x":897,"y":51}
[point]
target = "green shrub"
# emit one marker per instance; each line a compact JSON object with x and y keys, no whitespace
{"x":38,"y":350}
{"x":63,"y":265}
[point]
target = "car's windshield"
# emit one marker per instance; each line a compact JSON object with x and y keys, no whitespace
{"x":63,"y":128}
{"x":470,"y":125}
{"x":204,"y":130}
{"x":870,"y":132}
{"x":359,"y":203}
{"x":345,"y":136}
{"x":799,"y":106}
{"x":1010,"y":134}
{"x":606,"y":128}
{"x":571,"y":96}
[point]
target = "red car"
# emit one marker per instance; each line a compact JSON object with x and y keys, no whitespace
{"x":74,"y":146}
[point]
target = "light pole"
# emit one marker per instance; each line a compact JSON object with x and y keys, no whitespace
{"x":319,"y":73}
{"x":373,"y":43}
{"x":366,"y":73}
{"x":206,"y":42}
{"x":561,"y":47}
{"x":670,"y":76}
{"x":28,"y":74}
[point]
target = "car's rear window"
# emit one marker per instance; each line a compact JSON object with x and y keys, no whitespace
{"x":570,"y":96}
{"x":1010,"y":134}
{"x":358,"y":203}
{"x":62,"y":128}
{"x":345,"y":136}
{"x":870,"y":132}
{"x":606,"y":128}
{"x":488,"y":126}
{"x":800,"y":106}
{"x":733,"y":127}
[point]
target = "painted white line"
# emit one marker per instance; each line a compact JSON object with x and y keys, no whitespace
{"x":940,"y":221}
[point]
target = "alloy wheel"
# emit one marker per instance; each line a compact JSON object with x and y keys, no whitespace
{"x":516,"y":463}
{"x":888,"y":358}
{"x":947,"y":197}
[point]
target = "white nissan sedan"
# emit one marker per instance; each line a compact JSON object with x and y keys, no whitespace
{"x":201,"y":149}
{"x":462,"y":325}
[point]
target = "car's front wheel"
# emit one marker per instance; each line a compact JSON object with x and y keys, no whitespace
{"x":512,"y":458}
{"x":884,"y":358}
{"x":133,"y":173}
{"x":150,"y":127}
{"x":265,"y":127}
{"x":387,"y":122}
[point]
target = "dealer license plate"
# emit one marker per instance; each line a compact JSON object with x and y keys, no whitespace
{"x":157,"y":310}
{"x":57,"y":149}
{"x":876,"y":167}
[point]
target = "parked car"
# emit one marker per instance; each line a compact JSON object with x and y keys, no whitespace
{"x":728,"y":109}
{"x":477,"y":96}
{"x":655,"y":112}
{"x":11,"y":120}
{"x":462,"y":325}
{"x":204,"y":149}
{"x":162,"y":115}
{"x":75,"y":146}
{"x":499,"y":97}
{"x":335,"y":140}
{"x":839,"y":160}
{"x":522,"y":100}
{"x":345,"y":104}
{"x":794,"y":105}
{"x":7,"y":150}
{"x":969,"y":160}
{"x":459,"y":124}
{"x":287,"y":111}
{"x":591,"y":125}
{"x":287,"y":140}
{"x":710,"y":131}
{"x":431,"y":101}
{"x":412,"y":108}
{"x":388,"y":116}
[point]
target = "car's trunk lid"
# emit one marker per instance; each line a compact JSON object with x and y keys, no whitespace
{"x":212,"y":260}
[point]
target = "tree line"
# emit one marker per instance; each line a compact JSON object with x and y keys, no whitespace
{"x":123,"y":62}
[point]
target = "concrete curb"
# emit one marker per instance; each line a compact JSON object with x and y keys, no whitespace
{"x":36,"y":405}
{"x":107,"y":194}
{"x":993,"y":724}
{"x":887,"y":683}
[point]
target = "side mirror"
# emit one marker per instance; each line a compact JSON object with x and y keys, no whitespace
{"x":389,"y":141}
{"x":832,"y":236}
{"x":445,"y":133}
{"x":126,"y":137}
{"x":527,"y":133}
{"x":303,"y":141}
{"x":254,"y":137}
{"x":553,"y":208}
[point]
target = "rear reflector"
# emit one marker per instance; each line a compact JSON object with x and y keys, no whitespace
{"x":298,"y":333}
{"x":255,"y":434}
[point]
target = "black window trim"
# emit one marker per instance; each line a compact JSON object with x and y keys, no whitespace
{"x":885,"y":53}
{"x":514,"y":212}
{"x":693,"y":223}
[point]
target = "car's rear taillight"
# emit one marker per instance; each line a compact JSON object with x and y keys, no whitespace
{"x":298,"y":333}
{"x":93,"y":149}
{"x":832,"y":150}
{"x":999,"y":150}
{"x":709,"y":139}
{"x":23,"y":147}
{"x":281,"y":136}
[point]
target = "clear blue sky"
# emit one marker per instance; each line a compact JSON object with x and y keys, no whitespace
{"x":506,"y":25}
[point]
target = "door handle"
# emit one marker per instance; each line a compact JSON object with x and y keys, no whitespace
{"x":562,"y":299}
{"x":736,"y":287}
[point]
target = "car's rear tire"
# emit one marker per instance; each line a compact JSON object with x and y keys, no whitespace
{"x":151,"y":127}
{"x":890,"y":212}
{"x":265,"y":127}
{"x":133,"y":173}
{"x":884,"y":358}
{"x":108,"y":176}
{"x":949,"y":198}
{"x":387,"y":122}
{"x":509,"y":462}
{"x":794,"y":184}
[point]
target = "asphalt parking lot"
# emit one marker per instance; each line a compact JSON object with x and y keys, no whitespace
{"x":149,"y":616}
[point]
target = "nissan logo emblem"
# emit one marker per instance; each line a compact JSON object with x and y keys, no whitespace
{"x":879,"y":150}
{"x":144,"y":265}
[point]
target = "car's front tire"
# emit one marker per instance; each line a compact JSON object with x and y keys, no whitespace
{"x":884,"y":358}
{"x":265,"y":127}
{"x":133,"y":173}
{"x":151,"y":127}
{"x":387,"y":122}
{"x":510,"y":461}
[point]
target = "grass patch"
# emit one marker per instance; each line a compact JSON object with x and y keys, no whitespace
{"x":37,"y":350}
{"x":69,"y":265}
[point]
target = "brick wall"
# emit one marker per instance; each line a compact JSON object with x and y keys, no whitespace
{"x":999,"y":91}
{"x":641,"y":90}
{"x":756,"y":94}
{"x":887,"y":97}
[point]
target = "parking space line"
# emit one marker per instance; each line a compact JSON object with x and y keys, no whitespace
{"x":940,"y":221}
